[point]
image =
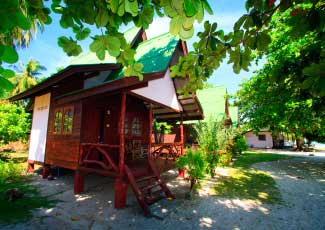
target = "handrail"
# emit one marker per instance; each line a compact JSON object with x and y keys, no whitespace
{"x":100,"y":145}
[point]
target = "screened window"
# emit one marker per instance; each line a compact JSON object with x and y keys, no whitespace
{"x":136,"y":127}
{"x":63,"y":120}
{"x":58,"y":121}
{"x":262,"y":137}
{"x":67,"y":120}
{"x":126,"y":125}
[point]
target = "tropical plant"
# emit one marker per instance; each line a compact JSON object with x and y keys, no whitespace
{"x":195,"y":165}
{"x":14,"y":123}
{"x":27,"y":76}
{"x":250,"y":33}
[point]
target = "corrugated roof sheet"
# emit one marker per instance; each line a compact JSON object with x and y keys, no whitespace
{"x":154,"y":54}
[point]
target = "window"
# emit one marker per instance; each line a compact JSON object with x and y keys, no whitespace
{"x":136,"y":127}
{"x":126,"y":125}
{"x":67,"y":120}
{"x":262,"y":137}
{"x":58,"y":121}
{"x":63,"y":120}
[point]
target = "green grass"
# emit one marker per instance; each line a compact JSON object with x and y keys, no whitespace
{"x":12,"y":176}
{"x":247,"y":159}
{"x":243,"y":182}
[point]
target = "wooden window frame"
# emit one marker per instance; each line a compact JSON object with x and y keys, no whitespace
{"x":54,"y":122}
{"x":63,"y":110}
{"x":261,"y":137}
{"x":139,"y":128}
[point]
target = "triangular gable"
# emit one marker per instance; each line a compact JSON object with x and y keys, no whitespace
{"x":161,"y":91}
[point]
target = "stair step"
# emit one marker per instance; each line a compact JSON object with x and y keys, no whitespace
{"x":145,"y":178}
{"x":155,"y":196}
{"x":146,"y":187}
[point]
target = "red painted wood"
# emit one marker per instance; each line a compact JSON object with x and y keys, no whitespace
{"x":79,"y":182}
{"x":181,"y":172}
{"x":120,"y":189}
{"x":30,"y":166}
{"x":150,"y":132}
{"x":46,"y":171}
{"x":122,"y":124}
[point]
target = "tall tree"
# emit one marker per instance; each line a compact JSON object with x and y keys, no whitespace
{"x":27,"y":76}
{"x":288,"y":93}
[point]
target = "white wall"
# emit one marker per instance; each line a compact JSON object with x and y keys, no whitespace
{"x":252,"y":140}
{"x":162,"y":91}
{"x":39,"y":128}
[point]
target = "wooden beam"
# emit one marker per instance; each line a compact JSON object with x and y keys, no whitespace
{"x":63,"y":74}
{"x":122,"y":125}
{"x":125,"y":84}
{"x":150,"y":132}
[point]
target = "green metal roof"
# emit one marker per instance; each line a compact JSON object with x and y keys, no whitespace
{"x":213,"y":104}
{"x":213,"y":101}
{"x":154,"y":54}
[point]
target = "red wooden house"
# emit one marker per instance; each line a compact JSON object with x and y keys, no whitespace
{"x":92,"y":119}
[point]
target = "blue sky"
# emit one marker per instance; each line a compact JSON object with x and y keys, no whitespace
{"x":44,"y":47}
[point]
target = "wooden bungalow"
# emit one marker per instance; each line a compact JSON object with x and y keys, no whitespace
{"x":91,"y":119}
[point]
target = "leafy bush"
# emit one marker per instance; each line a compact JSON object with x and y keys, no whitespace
{"x":195,"y":165}
{"x":9,"y":171}
{"x":240,"y":145}
{"x":14,"y":123}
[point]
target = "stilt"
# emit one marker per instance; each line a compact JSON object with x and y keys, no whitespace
{"x":120,"y":185}
{"x":79,"y":182}
{"x":181,"y":172}
{"x":120,"y":188}
{"x":30,"y":167}
{"x":46,"y":171}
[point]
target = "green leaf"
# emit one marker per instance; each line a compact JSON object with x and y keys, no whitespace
{"x":200,"y":13}
{"x":83,"y":34}
{"x":191,"y":7}
{"x":186,"y":34}
{"x":23,"y":21}
{"x":262,"y":41}
{"x":131,"y":6}
{"x":175,"y":25}
{"x":70,"y":47}
{"x":8,"y":54}
{"x":240,"y":22}
{"x":5,"y":83}
{"x":7,"y":73}
{"x":66,"y":20}
{"x":101,"y":18}
{"x":134,"y":70}
{"x":121,"y":9}
{"x":207,"y":7}
{"x":113,"y":46}
{"x":114,"y":5}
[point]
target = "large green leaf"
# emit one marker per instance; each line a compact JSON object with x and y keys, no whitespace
{"x":262,"y":41}
{"x":175,"y":25}
{"x":131,"y":6}
{"x":8,"y":54}
{"x":134,"y":70}
{"x":5,"y":83}
{"x":70,"y":47}
{"x":113,"y":46}
{"x":191,"y":7}
{"x":101,"y":18}
{"x":23,"y":21}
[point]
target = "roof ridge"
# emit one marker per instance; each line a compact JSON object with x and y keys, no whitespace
{"x":158,"y":36}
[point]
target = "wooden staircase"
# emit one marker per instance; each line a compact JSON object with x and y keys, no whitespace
{"x":149,"y":188}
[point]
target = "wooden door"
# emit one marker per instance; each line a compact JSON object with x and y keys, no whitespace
{"x":111,"y":125}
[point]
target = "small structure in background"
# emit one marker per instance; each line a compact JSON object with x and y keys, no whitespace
{"x":215,"y":105}
{"x":262,"y":140}
{"x":90,"y":118}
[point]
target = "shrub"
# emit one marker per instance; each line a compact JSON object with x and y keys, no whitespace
{"x":195,"y":165}
{"x":14,"y":123}
{"x":10,"y":171}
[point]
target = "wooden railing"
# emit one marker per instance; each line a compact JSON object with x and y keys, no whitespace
{"x":97,"y":158}
{"x":168,"y":151}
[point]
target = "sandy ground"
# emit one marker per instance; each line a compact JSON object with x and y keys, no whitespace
{"x":300,"y":180}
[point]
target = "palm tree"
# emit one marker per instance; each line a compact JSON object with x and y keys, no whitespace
{"x":27,"y":76}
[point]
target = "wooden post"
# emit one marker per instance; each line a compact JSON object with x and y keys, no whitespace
{"x":79,"y":182}
{"x":30,"y":167}
{"x":120,"y":185}
{"x":46,"y":171}
{"x":150,"y":132}
{"x":181,"y":172}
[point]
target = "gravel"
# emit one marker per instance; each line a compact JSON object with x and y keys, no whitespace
{"x":301,"y":182}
